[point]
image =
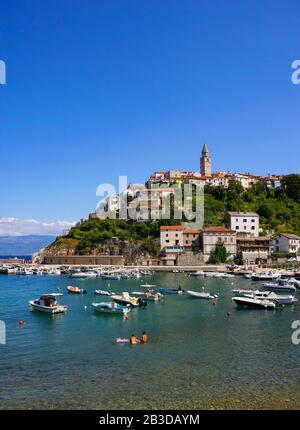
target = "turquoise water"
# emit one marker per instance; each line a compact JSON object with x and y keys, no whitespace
{"x":197,"y":356}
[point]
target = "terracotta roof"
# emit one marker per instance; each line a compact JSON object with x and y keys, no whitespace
{"x":191,"y":231}
{"x":172,"y":227}
{"x":289,"y":235}
{"x":218,"y":229}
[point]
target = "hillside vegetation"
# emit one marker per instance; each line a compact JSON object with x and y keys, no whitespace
{"x":279,"y":211}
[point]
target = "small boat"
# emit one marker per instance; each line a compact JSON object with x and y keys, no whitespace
{"x":264,"y":276}
{"x":270,"y":295}
{"x":125,"y":299}
{"x":75,"y":290}
{"x":104,"y":293}
{"x":111,"y":308}
{"x":252,"y":302}
{"x":148,"y":286}
{"x":291,"y":281}
{"x":279,"y":286}
{"x":111,"y":277}
{"x":178,"y":291}
{"x":148,"y":295}
{"x":78,"y":275}
{"x":201,"y":295}
{"x":198,"y":273}
{"x":48,"y":303}
{"x":243,"y":292}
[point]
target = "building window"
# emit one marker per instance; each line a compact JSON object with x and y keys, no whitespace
{"x":253,"y":228}
{"x":167,"y":235}
{"x":244,"y":220}
{"x":237,"y":227}
{"x":253,"y":220}
{"x":167,"y":241}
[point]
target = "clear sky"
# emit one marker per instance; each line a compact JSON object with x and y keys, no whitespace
{"x":98,"y":89}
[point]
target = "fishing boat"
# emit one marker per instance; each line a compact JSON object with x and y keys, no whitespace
{"x":201,"y":295}
{"x":75,"y":290}
{"x":178,"y":291}
{"x":279,"y":286}
{"x":48,"y":303}
{"x":125,"y":299}
{"x":111,"y":308}
{"x":252,"y":302}
{"x":104,"y":293}
{"x":270,"y":295}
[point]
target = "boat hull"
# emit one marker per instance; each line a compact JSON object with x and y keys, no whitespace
{"x":58,"y":309}
{"x":252,"y":303}
{"x":196,"y":295}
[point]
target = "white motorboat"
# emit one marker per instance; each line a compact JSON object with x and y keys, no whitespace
{"x":148,"y":295}
{"x":111,"y":308}
{"x":279,"y":286}
{"x":270,"y":295}
{"x":48,"y":303}
{"x":242,"y":292}
{"x":111,"y":276}
{"x":198,"y":273}
{"x":201,"y":295}
{"x":251,"y":302}
{"x":78,"y":275}
{"x":267,"y":275}
{"x":54,"y":272}
{"x":291,"y":281}
{"x":125,"y":299}
{"x":104,"y":293}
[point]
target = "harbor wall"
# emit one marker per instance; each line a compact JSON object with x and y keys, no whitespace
{"x":105,"y":260}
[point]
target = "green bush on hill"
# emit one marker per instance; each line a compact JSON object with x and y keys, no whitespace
{"x":279,"y":211}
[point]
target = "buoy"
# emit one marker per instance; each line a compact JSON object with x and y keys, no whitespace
{"x":21,"y":323}
{"x":214,"y":302}
{"x":126,"y":317}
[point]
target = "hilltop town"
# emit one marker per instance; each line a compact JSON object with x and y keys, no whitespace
{"x":248,"y":219}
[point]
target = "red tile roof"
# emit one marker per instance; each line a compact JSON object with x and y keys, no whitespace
{"x":172,"y":227}
{"x":218,"y":229}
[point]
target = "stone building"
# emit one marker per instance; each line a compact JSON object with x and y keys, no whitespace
{"x":255,"y":250}
{"x":213,"y":236}
{"x":286,"y":243}
{"x":205,"y":162}
{"x":244,"y":223}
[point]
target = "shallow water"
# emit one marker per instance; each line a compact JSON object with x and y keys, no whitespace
{"x":197,"y":356}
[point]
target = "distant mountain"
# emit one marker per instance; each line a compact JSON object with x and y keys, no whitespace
{"x":23,"y":245}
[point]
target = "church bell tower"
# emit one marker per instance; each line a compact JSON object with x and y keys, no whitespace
{"x":205,"y":162}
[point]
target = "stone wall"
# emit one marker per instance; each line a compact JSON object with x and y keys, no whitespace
{"x":190,"y":259}
{"x":105,"y":260}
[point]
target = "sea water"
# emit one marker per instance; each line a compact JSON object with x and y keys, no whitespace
{"x":199,"y":355}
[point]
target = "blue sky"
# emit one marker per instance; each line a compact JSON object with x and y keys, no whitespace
{"x":98,"y":89}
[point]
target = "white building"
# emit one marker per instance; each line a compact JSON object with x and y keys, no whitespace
{"x":285,"y":242}
{"x":244,"y":223}
{"x":211,"y":237}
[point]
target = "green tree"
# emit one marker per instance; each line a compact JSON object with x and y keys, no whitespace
{"x":218,"y":255}
{"x":291,"y":185}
